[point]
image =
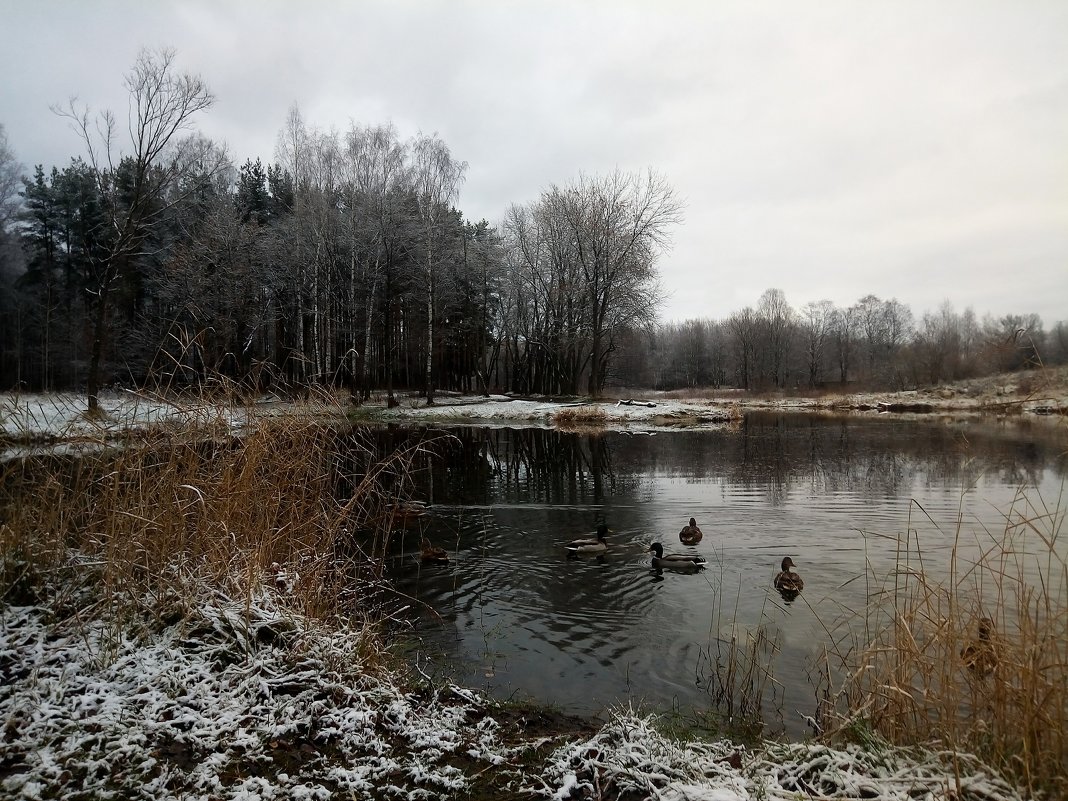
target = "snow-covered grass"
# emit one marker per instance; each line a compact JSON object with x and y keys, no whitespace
{"x":218,"y":705}
{"x":202,"y":709}
{"x":620,"y":414}
{"x":29,"y":421}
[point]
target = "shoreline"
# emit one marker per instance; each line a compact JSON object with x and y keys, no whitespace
{"x":203,"y":707}
{"x":52,"y":418}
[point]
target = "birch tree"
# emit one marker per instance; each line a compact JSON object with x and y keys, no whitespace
{"x":378,"y":181}
{"x":437,"y":178}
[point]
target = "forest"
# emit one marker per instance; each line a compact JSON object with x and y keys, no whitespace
{"x":153,"y":259}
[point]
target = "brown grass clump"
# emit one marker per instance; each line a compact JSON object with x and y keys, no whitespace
{"x":977,"y":662}
{"x":293,"y":508}
{"x":580,"y":417}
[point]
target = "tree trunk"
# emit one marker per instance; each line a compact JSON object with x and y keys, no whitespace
{"x":429,"y":333}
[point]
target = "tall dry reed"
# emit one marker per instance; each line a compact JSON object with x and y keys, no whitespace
{"x":976,"y":661}
{"x":290,"y":505}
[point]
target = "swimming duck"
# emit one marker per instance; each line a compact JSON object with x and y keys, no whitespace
{"x":691,"y":534}
{"x":979,"y":655}
{"x":787,"y":581}
{"x":403,"y":513}
{"x":598,"y":545}
{"x":431,"y":553}
{"x":675,"y":560}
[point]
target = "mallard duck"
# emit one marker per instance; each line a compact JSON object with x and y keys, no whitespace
{"x":678,"y":561}
{"x":405,"y":512}
{"x":431,"y":553}
{"x":979,"y":655}
{"x":597,"y":545}
{"x":691,"y":534}
{"x":787,"y":581}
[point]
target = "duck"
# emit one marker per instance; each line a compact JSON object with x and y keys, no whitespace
{"x":691,"y":534}
{"x":979,"y":655}
{"x":431,"y":553}
{"x":405,"y":512}
{"x":677,"y":561}
{"x":786,"y":580}
{"x":596,"y":545}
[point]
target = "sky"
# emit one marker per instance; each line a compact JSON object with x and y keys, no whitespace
{"x":910,"y":150}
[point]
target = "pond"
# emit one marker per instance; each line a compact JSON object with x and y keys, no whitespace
{"x":512,"y":615}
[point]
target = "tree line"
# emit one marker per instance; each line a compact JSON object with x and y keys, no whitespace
{"x":346,"y":261}
{"x":151,"y":259}
{"x":874,"y":343}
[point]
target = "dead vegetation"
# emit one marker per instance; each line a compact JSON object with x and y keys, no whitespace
{"x":577,"y":417}
{"x":977,"y":662}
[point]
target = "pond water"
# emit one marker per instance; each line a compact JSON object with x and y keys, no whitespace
{"x":512,"y":615}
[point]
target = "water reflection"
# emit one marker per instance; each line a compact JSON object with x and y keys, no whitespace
{"x":513,"y":614}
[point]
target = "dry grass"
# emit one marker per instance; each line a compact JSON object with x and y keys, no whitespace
{"x":736,"y":672}
{"x":574,"y":417}
{"x":921,"y":673}
{"x":291,"y":505}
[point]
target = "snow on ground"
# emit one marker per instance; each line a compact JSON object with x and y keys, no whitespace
{"x":62,"y":416}
{"x":616,"y":413}
{"x":240,"y":701}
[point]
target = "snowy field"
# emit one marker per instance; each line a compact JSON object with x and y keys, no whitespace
{"x":202,"y":709}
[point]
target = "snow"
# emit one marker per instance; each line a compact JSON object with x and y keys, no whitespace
{"x":615,"y":414}
{"x":200,"y":709}
{"x":63,"y":415}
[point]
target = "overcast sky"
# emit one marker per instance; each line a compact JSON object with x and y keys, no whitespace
{"x":916,"y":150}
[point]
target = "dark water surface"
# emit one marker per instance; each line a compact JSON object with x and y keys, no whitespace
{"x":512,"y":615}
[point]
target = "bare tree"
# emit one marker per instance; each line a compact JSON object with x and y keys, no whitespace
{"x":378,"y":181}
{"x":843,"y":336}
{"x":138,"y":186}
{"x":777,"y":320}
{"x":743,"y":327}
{"x":437,"y":182}
{"x":816,"y":323}
{"x":620,"y":223}
{"x":10,"y":182}
{"x":897,"y":328}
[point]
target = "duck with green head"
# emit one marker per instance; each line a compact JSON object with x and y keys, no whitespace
{"x":597,"y":545}
{"x":675,"y":561}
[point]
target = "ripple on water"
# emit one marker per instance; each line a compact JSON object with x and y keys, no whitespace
{"x":515,"y":614}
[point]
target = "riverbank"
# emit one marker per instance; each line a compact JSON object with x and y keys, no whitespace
{"x":1028,"y":394}
{"x":243,"y":699}
{"x":49,"y":418}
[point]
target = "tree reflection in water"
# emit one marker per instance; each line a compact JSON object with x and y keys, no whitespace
{"x":590,"y":632}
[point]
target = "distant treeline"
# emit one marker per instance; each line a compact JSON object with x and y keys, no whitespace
{"x":874,"y":343}
{"x":348,"y":262}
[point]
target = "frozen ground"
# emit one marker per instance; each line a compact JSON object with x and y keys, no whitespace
{"x":204,"y":708}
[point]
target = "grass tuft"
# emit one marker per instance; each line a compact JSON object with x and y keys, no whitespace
{"x":580,"y":417}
